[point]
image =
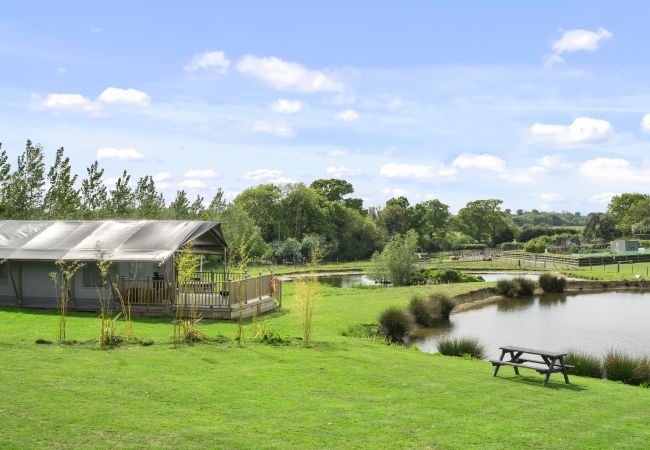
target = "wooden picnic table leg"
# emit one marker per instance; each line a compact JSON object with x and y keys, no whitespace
{"x":514,"y":357}
{"x":496,"y":368}
{"x":564,"y":370}
{"x":550,"y":362}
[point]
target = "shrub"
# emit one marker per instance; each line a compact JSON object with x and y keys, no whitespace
{"x":266,"y":335}
{"x":461,"y":347}
{"x":586,"y":365}
{"x":517,"y":287}
{"x":395,"y":324}
{"x":397,"y":261}
{"x":429,"y":311}
{"x":473,"y":247}
{"x":537,"y":245}
{"x":508,"y":246}
{"x":552,"y":283}
{"x":628,"y":369}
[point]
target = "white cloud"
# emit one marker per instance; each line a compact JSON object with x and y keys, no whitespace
{"x":551,"y":197}
{"x":111,"y":182}
{"x":200,"y":173}
{"x":583,"y":130}
{"x":287,"y":76}
{"x":119,"y":153}
{"x":162,"y":176}
{"x":215,"y":61}
{"x":124,"y":96}
{"x":645,"y":123}
{"x":481,"y":161}
{"x":192,"y":184}
{"x":576,"y":40}
{"x":602,"y":198}
{"x":347,"y":115}
{"x":282,"y":180}
{"x":340,"y":172}
{"x":614,"y":170}
{"x":262,"y":174}
{"x":68,"y":102}
{"x":551,"y":60}
{"x":555,"y":162}
{"x":338,"y":153}
{"x":278,"y":129}
{"x":393,"y":170}
{"x":96,"y":29}
{"x":395,"y":192}
{"x":517,"y":177}
{"x":286,"y":106}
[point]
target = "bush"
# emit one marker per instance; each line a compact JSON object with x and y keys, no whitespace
{"x":517,"y":287}
{"x":397,"y":261}
{"x":628,"y":369}
{"x":266,"y":335}
{"x":395,"y":324}
{"x":473,"y":247}
{"x":427,"y":312}
{"x":434,"y":276}
{"x":586,"y":365}
{"x":537,"y":245}
{"x":461,"y":347}
{"x":552,"y":283}
{"x":508,"y":246}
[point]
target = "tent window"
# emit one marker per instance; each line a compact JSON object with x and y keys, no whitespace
{"x":92,"y":277}
{"x":3,"y":274}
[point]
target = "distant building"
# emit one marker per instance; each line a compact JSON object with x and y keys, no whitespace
{"x":624,"y":246}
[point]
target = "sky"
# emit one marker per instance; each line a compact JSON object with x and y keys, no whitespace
{"x":543,"y":105}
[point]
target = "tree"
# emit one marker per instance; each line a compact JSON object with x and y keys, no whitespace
{"x":149,"y":203}
{"x":122,"y":199}
{"x":242,"y":235}
{"x":180,"y":207}
{"x":395,"y":218}
{"x":430,"y":219}
{"x":218,"y":204}
{"x":23,"y":191}
{"x":482,"y":219}
{"x":628,"y":210}
{"x":397,"y":262}
{"x":304,"y":210}
{"x":332,"y":189}
{"x":196,"y":208}
{"x":62,"y":199}
{"x":5,"y":169}
{"x":94,"y":195}
{"x":600,"y":227}
{"x":261,"y":203}
{"x":356,"y":236}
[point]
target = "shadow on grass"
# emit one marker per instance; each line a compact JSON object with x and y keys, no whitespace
{"x":538,"y":381}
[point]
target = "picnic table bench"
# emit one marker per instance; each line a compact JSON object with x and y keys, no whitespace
{"x":521,"y":357}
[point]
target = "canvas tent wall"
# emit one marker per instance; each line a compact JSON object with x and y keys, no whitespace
{"x":29,"y":250}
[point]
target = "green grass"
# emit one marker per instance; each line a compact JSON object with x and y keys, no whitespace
{"x":344,"y":392}
{"x":611,"y":272}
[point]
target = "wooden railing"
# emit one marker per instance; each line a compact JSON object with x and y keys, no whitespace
{"x":206,"y":289}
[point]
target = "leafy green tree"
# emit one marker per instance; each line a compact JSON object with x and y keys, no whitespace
{"x":149,"y":203}
{"x":94,"y":195}
{"x":62,"y":199}
{"x":332,"y":189}
{"x":395,"y":218}
{"x":397,"y":262}
{"x":431,"y":220}
{"x":180,"y":207}
{"x":629,"y":209}
{"x":482,"y":219}
{"x":287,"y":250}
{"x":304,"y":210}
{"x":122,"y":198}
{"x":261,"y":203}
{"x":600,"y":227}
{"x":5,"y":169}
{"x":242,"y":235}
{"x":24,"y":189}
{"x":356,"y":235}
{"x":197,"y":209}
{"x":218,"y":204}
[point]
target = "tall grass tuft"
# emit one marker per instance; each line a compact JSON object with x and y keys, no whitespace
{"x":586,"y":364}
{"x":306,"y":292}
{"x":552,"y":283}
{"x":517,"y":287}
{"x":427,"y":312}
{"x":395,"y":324}
{"x":464,"y":346}
{"x":109,"y":335}
{"x":628,"y":369}
{"x":62,"y":282}
{"x":186,"y":323}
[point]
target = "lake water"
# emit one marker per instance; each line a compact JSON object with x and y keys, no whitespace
{"x":593,"y":322}
{"x":347,"y":280}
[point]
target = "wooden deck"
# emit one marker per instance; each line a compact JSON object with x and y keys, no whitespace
{"x":213,"y":294}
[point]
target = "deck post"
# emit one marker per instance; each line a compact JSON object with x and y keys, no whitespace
{"x":259,"y":285}
{"x":18,"y":288}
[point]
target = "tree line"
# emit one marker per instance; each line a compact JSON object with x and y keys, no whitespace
{"x":287,"y":222}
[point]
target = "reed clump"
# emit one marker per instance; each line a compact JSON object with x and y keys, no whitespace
{"x":431,"y":310}
{"x":585,"y":364}
{"x":632,"y":370}
{"x":517,"y":287}
{"x":552,"y":283}
{"x":462,"y":347}
{"x":395,"y":324}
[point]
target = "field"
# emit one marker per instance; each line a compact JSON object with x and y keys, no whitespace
{"x":343,"y":392}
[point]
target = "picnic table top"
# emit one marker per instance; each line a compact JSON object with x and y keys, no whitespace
{"x":532,"y":351}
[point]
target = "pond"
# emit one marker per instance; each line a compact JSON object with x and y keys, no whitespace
{"x":496,"y":276}
{"x":346,"y":280}
{"x":593,"y":322}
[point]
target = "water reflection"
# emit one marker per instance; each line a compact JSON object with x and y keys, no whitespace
{"x":593,"y":322}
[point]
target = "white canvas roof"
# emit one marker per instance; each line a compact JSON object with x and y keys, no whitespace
{"x":120,"y":240}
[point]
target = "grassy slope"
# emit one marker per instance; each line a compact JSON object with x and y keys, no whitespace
{"x":344,"y":392}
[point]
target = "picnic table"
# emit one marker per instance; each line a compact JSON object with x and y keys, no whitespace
{"x":542,"y":361}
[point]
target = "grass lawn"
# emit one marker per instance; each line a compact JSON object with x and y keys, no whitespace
{"x":611,"y":272}
{"x":342,"y":393}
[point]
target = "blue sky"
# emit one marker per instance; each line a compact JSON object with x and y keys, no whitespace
{"x":541,"y":106}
